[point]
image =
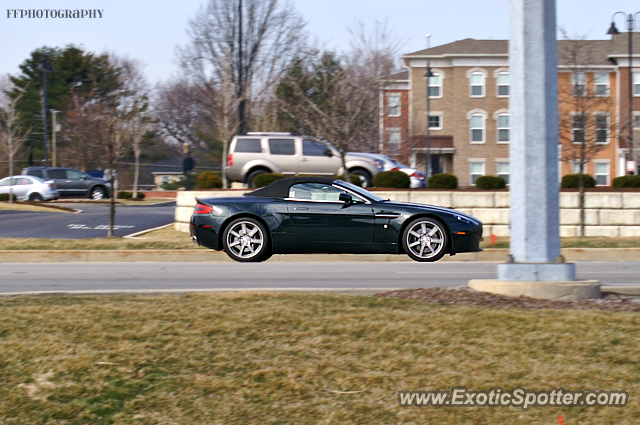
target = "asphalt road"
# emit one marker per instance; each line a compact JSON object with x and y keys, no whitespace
{"x":59,"y":277}
{"x":92,"y":222}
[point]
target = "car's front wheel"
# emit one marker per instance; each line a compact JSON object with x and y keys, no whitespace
{"x":97,"y":193}
{"x":246,"y":239}
{"x":425,"y":239}
{"x":36,"y":197}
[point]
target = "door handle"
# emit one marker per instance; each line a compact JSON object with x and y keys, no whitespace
{"x":300,"y":208}
{"x":304,"y":159}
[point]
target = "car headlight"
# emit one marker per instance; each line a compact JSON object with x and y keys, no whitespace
{"x":462,"y":219}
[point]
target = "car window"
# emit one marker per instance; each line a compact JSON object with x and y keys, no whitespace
{"x":282,"y":146}
{"x":37,"y":173}
{"x":313,"y":148}
{"x":57,"y":174}
{"x":318,"y":192}
{"x":23,"y":181}
{"x":248,"y":145}
{"x":74,"y":175}
{"x":4,"y":182}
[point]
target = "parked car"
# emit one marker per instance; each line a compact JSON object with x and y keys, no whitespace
{"x":322,"y":215}
{"x":291,"y":155}
{"x":29,"y":188}
{"x":71,"y":182}
{"x":386,"y":163}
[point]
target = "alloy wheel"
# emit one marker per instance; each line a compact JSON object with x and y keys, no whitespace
{"x":425,"y":240}
{"x":245,"y":239}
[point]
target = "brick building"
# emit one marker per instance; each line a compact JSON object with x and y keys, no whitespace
{"x":469,"y":127}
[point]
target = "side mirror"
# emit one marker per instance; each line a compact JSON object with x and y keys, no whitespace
{"x":327,"y":152}
{"x":346,"y":198}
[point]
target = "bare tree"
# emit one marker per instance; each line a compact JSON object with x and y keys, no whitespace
{"x":12,"y":135}
{"x":586,"y":110}
{"x":272,"y":33}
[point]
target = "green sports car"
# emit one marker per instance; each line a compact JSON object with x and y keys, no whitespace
{"x":321,"y":215}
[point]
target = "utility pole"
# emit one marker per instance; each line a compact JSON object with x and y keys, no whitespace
{"x":45,"y":67}
{"x":428,"y":75}
{"x":242,"y":125}
{"x":54,"y":159}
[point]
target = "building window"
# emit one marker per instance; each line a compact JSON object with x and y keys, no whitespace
{"x":636,"y":83}
{"x":578,"y":128}
{"x":503,"y":128}
{"x":476,"y":169}
{"x":636,"y":120}
{"x":476,"y":81}
{"x":575,"y":167}
{"x":579,"y":83}
{"x":602,"y":128}
{"x":477,"y":128}
{"x":394,"y":141}
{"x":503,"y":170}
{"x":394,"y":105}
{"x":435,"y":121}
{"x":602,"y":174}
{"x":601,"y":83}
{"x":503,"y":84}
{"x":435,"y":86}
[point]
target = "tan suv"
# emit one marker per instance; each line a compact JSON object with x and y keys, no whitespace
{"x":288,"y":154}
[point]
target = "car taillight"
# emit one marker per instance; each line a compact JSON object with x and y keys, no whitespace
{"x":230,"y":160}
{"x":203,"y":209}
{"x":415,"y":175}
{"x":395,"y":169}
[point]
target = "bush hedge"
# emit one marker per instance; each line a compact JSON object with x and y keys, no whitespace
{"x":627,"y":181}
{"x":572,"y":181}
{"x":354,"y":179}
{"x":4,"y":197}
{"x":266,"y":179}
{"x":392,"y":179}
{"x":490,"y":182}
{"x":442,"y":181}
{"x":123,"y":194}
{"x":209,"y":180}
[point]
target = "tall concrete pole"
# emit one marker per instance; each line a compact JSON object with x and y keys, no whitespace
{"x":533,"y":152}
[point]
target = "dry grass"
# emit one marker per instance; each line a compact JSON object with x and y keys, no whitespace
{"x":586,"y":242}
{"x":166,"y":238}
{"x":19,"y":206}
{"x":269,"y":359}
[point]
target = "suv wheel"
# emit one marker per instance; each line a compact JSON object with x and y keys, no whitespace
{"x":364,"y":176}
{"x":253,"y":175}
{"x":97,"y":193}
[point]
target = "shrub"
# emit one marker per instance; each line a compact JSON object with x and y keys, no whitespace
{"x":266,"y":179}
{"x":140,"y":195}
{"x":4,"y":197}
{"x":627,"y":181}
{"x":354,"y":179}
{"x":123,"y":194}
{"x":572,"y":181}
{"x":209,"y":180}
{"x":180,"y":184}
{"x":442,"y":181}
{"x":393,"y":179}
{"x":490,"y":182}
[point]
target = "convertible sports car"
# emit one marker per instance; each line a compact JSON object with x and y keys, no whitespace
{"x":322,"y":215}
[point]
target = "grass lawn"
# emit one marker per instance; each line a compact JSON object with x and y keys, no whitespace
{"x":586,"y":242}
{"x":166,"y":238}
{"x":18,"y":206}
{"x":285,"y":358}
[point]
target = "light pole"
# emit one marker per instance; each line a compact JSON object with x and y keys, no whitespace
{"x":427,"y":75}
{"x":631,"y":18}
{"x":45,"y":67}
{"x":54,"y":159}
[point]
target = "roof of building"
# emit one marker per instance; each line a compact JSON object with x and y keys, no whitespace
{"x":398,"y":76}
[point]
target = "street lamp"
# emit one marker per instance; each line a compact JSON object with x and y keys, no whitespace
{"x":631,"y":18}
{"x":427,"y":75}
{"x":45,"y":67}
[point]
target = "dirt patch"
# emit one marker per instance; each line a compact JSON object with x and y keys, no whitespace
{"x":464,"y":296}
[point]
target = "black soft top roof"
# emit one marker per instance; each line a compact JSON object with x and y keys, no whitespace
{"x":280,"y":188}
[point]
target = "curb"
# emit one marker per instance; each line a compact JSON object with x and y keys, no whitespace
{"x":205,"y":255}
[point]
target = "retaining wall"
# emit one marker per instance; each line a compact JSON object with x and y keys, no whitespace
{"x":614,"y":214}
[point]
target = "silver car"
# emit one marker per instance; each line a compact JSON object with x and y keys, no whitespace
{"x":386,"y":163}
{"x":29,"y":188}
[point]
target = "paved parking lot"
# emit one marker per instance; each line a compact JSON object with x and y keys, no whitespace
{"x":91,"y":222}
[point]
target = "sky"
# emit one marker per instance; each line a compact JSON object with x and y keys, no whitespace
{"x":150,"y":31}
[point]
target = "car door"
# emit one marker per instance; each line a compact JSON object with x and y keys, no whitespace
{"x":77,"y":183}
{"x":323,"y":223}
{"x":318,"y":159}
{"x":285,"y":155}
{"x":59,"y":175}
{"x":21,"y":187}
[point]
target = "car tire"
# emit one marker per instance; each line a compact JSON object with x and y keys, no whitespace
{"x":97,"y":193}
{"x":364,"y":176}
{"x":246,"y":240}
{"x":253,"y":175}
{"x":425,"y":239}
{"x":35,"y":197}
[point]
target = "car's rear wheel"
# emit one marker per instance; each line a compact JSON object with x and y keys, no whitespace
{"x":253,"y":175}
{"x":425,"y":239}
{"x":364,"y":176}
{"x":97,"y":193}
{"x":246,"y":239}
{"x":36,"y":197}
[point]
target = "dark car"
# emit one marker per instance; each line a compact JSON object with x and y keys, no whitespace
{"x":71,"y":182}
{"x":322,"y":215}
